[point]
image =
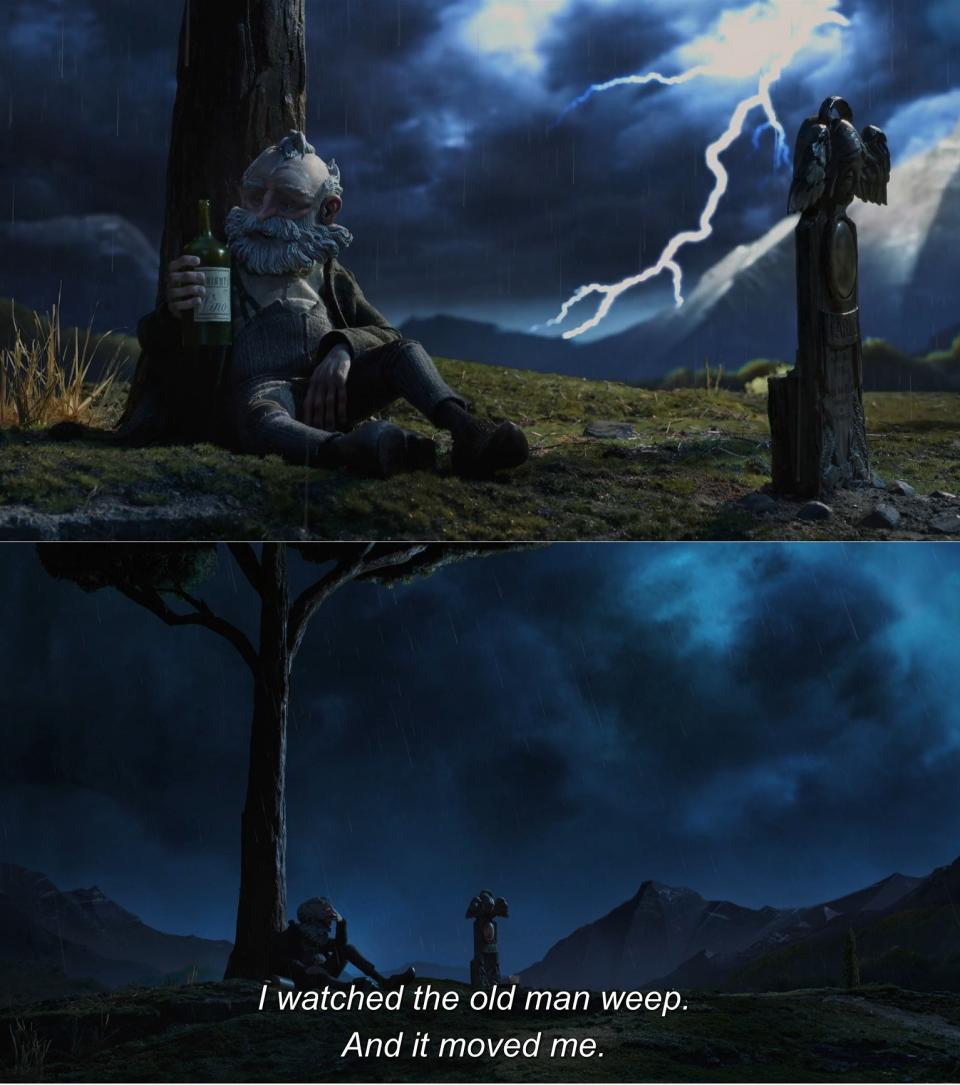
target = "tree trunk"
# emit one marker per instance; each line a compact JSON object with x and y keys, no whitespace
{"x":241,"y":85}
{"x":261,"y":914}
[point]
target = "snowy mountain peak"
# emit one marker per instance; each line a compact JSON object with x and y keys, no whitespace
{"x":744,"y":305}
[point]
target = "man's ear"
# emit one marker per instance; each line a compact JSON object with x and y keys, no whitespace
{"x":329,"y":209}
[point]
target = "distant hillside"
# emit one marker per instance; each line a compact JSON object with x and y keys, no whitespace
{"x":83,"y":935}
{"x":906,"y":928}
{"x":647,"y":936}
{"x":101,"y":265}
{"x":887,"y":368}
{"x":913,"y":942}
{"x":480,"y":341}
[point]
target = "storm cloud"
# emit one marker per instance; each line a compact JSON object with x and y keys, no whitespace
{"x":463,"y":195}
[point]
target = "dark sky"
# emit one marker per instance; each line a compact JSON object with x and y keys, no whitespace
{"x":461,"y":197}
{"x":768,"y":723}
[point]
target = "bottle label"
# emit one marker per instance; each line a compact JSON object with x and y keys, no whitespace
{"x":215,"y":306}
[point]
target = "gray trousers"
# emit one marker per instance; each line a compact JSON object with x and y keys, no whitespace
{"x":270,"y":382}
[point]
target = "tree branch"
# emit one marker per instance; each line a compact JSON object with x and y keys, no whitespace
{"x":201,"y":615}
{"x":244,"y":556}
{"x":311,"y":599}
{"x":392,"y":558}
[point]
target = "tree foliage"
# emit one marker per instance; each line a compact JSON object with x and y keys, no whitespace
{"x":161,"y":567}
{"x":158,"y":575}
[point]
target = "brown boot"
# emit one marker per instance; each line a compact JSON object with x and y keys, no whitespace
{"x":381,"y":449}
{"x":480,"y":448}
{"x":486,"y":448}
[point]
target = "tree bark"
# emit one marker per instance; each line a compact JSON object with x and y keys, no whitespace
{"x":261,"y":914}
{"x":241,"y":85}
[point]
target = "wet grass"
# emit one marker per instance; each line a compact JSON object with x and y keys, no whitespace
{"x":696,"y":452}
{"x":213,"y":1032}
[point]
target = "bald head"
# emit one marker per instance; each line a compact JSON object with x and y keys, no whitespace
{"x":290,"y":180}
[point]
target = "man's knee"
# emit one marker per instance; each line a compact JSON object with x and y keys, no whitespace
{"x":412,"y":344}
{"x":408,"y":349}
{"x":410,"y":359}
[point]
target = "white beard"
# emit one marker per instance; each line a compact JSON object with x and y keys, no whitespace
{"x":279,"y":246}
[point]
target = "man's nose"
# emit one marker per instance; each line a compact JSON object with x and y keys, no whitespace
{"x":266,"y":206}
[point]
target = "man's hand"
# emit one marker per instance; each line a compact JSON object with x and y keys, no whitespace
{"x":325,"y":405}
{"x":185,"y":287}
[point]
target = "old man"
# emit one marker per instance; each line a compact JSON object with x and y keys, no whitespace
{"x":312,"y":359}
{"x":312,"y":955}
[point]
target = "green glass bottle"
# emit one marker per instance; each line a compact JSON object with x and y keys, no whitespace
{"x":209,"y":324}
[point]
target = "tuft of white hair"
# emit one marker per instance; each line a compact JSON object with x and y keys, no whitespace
{"x":332,"y":186}
{"x":294,"y":144}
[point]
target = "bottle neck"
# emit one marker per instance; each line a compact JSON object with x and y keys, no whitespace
{"x":204,"y":218}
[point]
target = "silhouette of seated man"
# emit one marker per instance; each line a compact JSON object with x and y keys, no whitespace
{"x":312,"y":957}
{"x":311,"y":359}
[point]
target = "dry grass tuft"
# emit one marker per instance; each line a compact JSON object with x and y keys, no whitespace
{"x":44,"y":380}
{"x":29,"y":1051}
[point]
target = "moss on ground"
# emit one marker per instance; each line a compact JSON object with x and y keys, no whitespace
{"x":213,"y":1032}
{"x":696,"y":453}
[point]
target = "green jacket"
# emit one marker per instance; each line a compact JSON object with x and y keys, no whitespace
{"x":171,"y":398}
{"x":356,"y":322}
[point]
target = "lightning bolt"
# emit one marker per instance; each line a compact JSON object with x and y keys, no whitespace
{"x":769,"y":73}
{"x":630,"y":81}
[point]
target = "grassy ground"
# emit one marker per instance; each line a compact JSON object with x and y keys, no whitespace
{"x":213,"y":1032}
{"x":695,"y":454}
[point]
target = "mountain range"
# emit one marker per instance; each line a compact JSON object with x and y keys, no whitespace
{"x":54,"y":943}
{"x":82,"y":935}
{"x":906,"y":930}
